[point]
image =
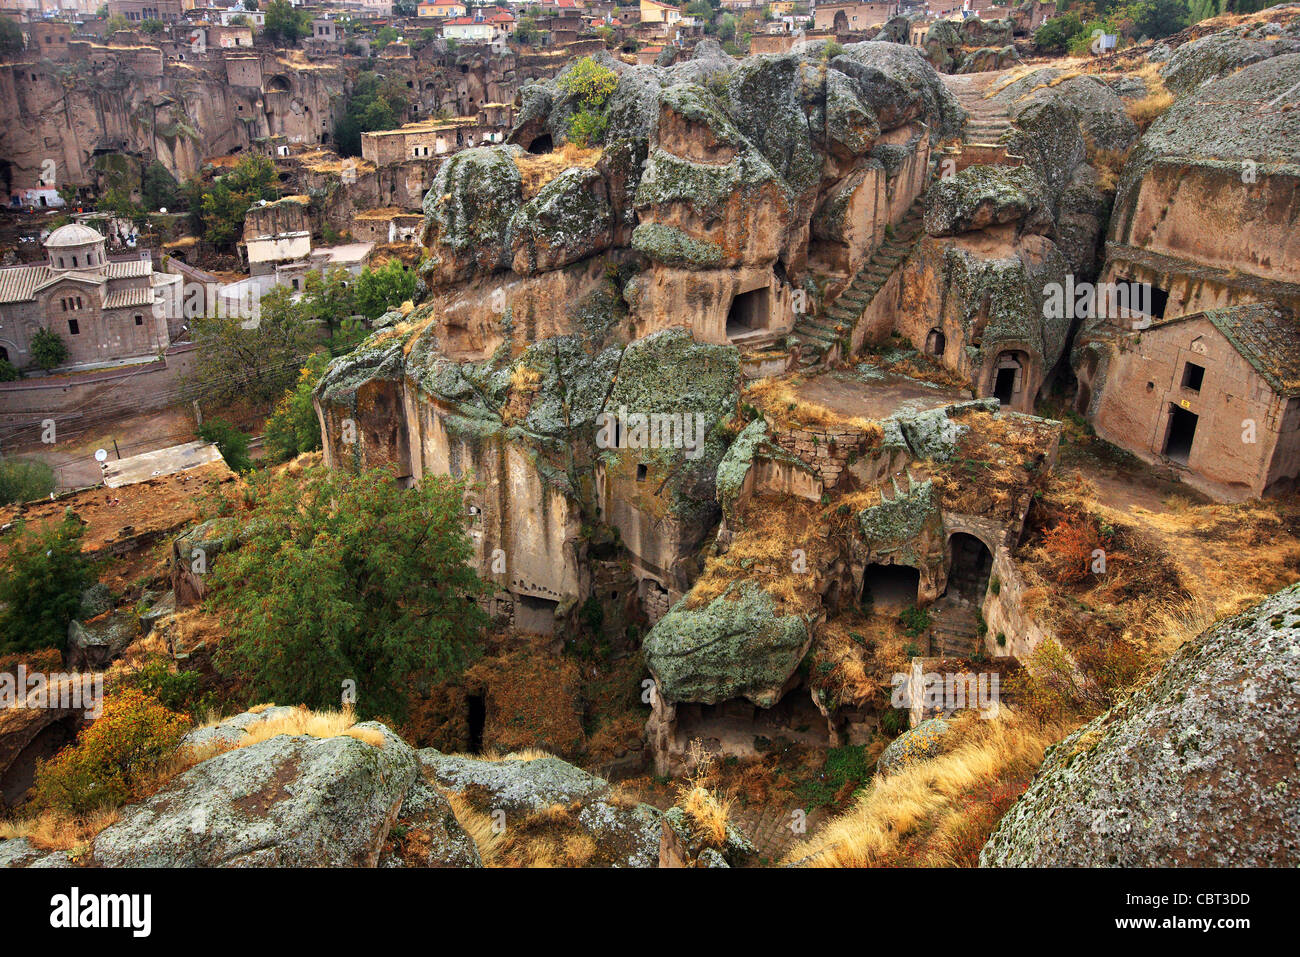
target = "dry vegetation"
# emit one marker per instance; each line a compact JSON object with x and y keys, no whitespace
{"x":779,"y":401}
{"x":538,"y":170}
{"x":769,"y":529}
{"x":999,"y":458}
{"x":938,"y":812}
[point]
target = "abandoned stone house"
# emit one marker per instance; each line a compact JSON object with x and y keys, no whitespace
{"x":102,"y":309}
{"x":850,"y":16}
{"x":1204,"y":226}
{"x":430,"y":139}
{"x":1214,"y":393}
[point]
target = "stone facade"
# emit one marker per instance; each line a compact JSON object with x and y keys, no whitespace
{"x":102,"y":309}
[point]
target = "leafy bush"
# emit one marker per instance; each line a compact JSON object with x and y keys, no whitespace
{"x":845,"y":768}
{"x":22,"y":480}
{"x":8,"y":372}
{"x":174,"y":690}
{"x":41,"y":580}
{"x":231,"y":443}
{"x":349,"y":578}
{"x":1055,"y":35}
{"x":111,"y":758}
{"x":587,"y":128}
{"x":914,"y":621}
{"x":48,"y":349}
{"x":293,"y":427}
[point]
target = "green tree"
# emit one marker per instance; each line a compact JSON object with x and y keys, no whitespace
{"x":378,"y":290}
{"x":385,"y":36}
{"x":257,"y":363}
{"x":152,"y":26}
{"x":230,"y":441}
{"x":8,"y":372}
{"x":158,"y":188}
{"x":250,"y":5}
{"x":48,"y":349}
{"x":1055,"y":35}
{"x":11,"y":36}
{"x":22,"y":480}
{"x":1159,"y":18}
{"x":41,"y":580}
{"x":375,"y":104}
{"x":328,"y":298}
{"x":117,"y":22}
{"x":219,"y":209}
{"x":285,"y":24}
{"x":293,"y":427}
{"x":347,"y":577}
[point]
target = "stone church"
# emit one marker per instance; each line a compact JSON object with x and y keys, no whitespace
{"x":102,"y":309}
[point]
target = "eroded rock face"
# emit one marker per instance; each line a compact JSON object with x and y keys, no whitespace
{"x":982,"y":196}
{"x":427,"y":833}
{"x":1220,"y":54}
{"x":1147,"y":783}
{"x":290,"y":801}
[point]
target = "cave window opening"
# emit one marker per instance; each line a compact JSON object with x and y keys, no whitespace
{"x":890,"y":588}
{"x":542,"y":144}
{"x":749,"y":313}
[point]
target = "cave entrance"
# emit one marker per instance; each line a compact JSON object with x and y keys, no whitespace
{"x":535,"y":615}
{"x":890,"y":588}
{"x":972,"y":564}
{"x":17,"y":779}
{"x":1007,"y":377}
{"x":936,"y":343}
{"x":541,"y":144}
{"x":1182,"y":432}
{"x":476,"y":718}
{"x":749,"y":313}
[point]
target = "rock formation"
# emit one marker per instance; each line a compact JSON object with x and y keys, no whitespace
{"x":1196,"y":768}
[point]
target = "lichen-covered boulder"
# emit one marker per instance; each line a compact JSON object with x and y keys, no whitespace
{"x":1195,"y":768}
{"x":1100,"y":109}
{"x":427,"y":833}
{"x":899,"y":85}
{"x":569,"y":219}
{"x":92,"y":646}
{"x":545,"y":798}
{"x":983,"y":196}
{"x":290,"y":801}
{"x":736,"y":646}
{"x":986,"y":59}
{"x":467,"y":213}
{"x":20,"y":852}
{"x":927,"y":740}
{"x":1219,"y":54}
{"x":688,"y":846}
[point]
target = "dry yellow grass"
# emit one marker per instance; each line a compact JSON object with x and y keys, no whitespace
{"x":778,"y":399}
{"x":769,"y":532}
{"x":538,"y":170}
{"x":940,"y":797}
{"x":50,"y":831}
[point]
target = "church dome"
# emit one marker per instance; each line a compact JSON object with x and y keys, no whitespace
{"x":73,"y":234}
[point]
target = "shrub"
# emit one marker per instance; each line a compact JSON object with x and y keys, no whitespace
{"x":232,"y":443}
{"x":349,"y":578}
{"x":8,"y":372}
{"x":587,"y":128}
{"x":175,"y":690}
{"x":1055,"y":35}
{"x":48,"y":350}
{"x":41,"y":580}
{"x":293,"y":427}
{"x":111,"y":758}
{"x":22,"y":480}
{"x":1070,"y":545}
{"x":914,"y":621}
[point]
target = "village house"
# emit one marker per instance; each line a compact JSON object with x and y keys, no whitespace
{"x":102,"y":309}
{"x":427,"y":139}
{"x":1216,"y":393}
{"x":441,"y":9}
{"x":847,"y":17}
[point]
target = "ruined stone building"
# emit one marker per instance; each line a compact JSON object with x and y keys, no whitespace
{"x":1190,"y":344}
{"x":632,"y":358}
{"x":102,"y":309}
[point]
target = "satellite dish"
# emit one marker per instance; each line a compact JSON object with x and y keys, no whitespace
{"x":100,"y":455}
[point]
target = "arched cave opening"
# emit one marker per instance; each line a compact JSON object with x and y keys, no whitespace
{"x":972,"y":564}
{"x":541,"y":144}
